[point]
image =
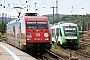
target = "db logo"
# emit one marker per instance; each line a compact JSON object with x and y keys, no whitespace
{"x":37,"y":34}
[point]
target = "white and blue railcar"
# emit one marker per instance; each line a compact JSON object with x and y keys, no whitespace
{"x":65,"y":34}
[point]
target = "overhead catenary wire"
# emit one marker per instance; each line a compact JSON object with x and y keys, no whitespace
{"x":25,"y":2}
{"x":42,"y":3}
{"x":74,"y":8}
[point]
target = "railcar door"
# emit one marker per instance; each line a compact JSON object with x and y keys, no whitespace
{"x":58,"y":36}
{"x":53,"y":35}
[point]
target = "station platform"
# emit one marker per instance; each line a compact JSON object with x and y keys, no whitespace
{"x":3,"y":55}
{"x":8,"y":52}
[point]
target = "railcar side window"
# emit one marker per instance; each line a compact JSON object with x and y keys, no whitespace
{"x":60,"y":32}
{"x":52,"y":32}
{"x":57,"y":31}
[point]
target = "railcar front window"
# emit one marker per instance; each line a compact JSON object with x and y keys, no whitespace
{"x":70,"y":31}
{"x":31,"y":25}
{"x":42,"y":25}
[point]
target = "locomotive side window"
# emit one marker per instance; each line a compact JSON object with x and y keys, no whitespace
{"x":31,"y":25}
{"x":42,"y":25}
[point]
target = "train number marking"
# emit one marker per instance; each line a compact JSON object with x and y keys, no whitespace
{"x":37,"y":34}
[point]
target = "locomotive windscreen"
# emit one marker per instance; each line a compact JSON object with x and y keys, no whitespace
{"x":37,"y":25}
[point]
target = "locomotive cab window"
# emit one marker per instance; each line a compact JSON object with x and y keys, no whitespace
{"x":42,"y":25}
{"x":37,"y":25}
{"x":31,"y":25}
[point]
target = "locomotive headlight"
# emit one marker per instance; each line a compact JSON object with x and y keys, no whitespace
{"x":29,"y":37}
{"x":46,"y":38}
{"x":46,"y":35}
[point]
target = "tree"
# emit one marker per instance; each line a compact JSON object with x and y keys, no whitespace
{"x":4,"y":28}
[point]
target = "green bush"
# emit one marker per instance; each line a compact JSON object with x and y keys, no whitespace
{"x":55,"y":46}
{"x":3,"y":35}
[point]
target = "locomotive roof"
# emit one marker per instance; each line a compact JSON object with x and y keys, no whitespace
{"x":13,"y":21}
{"x":31,"y":14}
{"x":30,"y":17}
{"x":35,"y":17}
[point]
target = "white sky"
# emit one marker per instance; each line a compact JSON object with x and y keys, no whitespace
{"x":64,"y":6}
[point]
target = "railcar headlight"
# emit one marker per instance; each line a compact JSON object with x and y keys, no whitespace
{"x":46,"y":34}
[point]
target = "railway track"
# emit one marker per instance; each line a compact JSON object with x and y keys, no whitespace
{"x":49,"y":55}
{"x":2,"y":39}
{"x":52,"y":55}
{"x":83,"y":55}
{"x":84,"y":43}
{"x":62,"y":55}
{"x":57,"y":57}
{"x":79,"y":53}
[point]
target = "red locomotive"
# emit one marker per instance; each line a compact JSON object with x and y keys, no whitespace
{"x":29,"y":32}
